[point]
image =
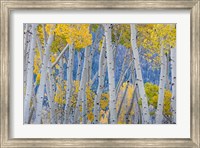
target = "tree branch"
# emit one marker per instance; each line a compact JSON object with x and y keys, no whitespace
{"x":58,"y":58}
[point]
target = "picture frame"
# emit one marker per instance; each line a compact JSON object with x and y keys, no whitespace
{"x":8,"y":6}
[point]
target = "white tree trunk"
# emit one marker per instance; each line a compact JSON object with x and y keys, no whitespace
{"x":25,"y":41}
{"x":26,"y":46}
{"x":111,"y":74}
{"x":137,"y":117}
{"x":140,"y":82}
{"x":40,"y":93}
{"x":162,"y":83}
{"x":94,"y":47}
{"x":101,"y":77}
{"x":93,"y":79}
{"x":167,"y":72}
{"x":29,"y":85}
{"x":122,"y":102}
{"x":173,"y":70}
{"x":122,"y":77}
{"x":82,"y":88}
{"x":70,"y":67}
{"x":61,"y":73}
{"x":51,"y":87}
{"x":78,"y":74}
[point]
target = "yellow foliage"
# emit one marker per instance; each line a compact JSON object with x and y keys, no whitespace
{"x":130,"y":90}
{"x":53,"y":59}
{"x":57,"y":66}
{"x":152,"y":94}
{"x":104,"y":116}
{"x":60,"y":94}
{"x":104,"y":101}
{"x":167,"y":102}
{"x":122,"y":31}
{"x":37,"y":62}
{"x":101,"y":43}
{"x":90,"y":116}
{"x":38,"y":78}
{"x":40,"y":34}
{"x":76,"y":34}
{"x":49,"y":28}
{"x":154,"y":36}
{"x":90,"y":96}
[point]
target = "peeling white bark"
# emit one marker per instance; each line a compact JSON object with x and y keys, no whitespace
{"x":139,"y":79}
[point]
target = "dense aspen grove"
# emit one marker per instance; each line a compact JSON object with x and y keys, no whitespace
{"x":99,"y":73}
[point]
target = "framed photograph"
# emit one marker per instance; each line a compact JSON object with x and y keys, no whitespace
{"x":100,"y":73}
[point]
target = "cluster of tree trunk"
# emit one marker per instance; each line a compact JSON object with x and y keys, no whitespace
{"x":35,"y":111}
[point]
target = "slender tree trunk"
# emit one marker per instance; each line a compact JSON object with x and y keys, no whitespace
{"x":31,"y":114}
{"x":70,"y":67}
{"x":122,"y":101}
{"x":94,"y":48}
{"x":27,"y":42}
{"x":48,"y":94}
{"x":167,"y":72}
{"x":51,"y":88}
{"x":173,"y":70}
{"x":40,"y":94}
{"x":101,"y":78}
{"x":78,"y":74}
{"x":137,"y":117}
{"x":61,"y":73}
{"x":127,"y":120}
{"x":137,"y":112}
{"x":82,"y":88}
{"x":162,"y":83}
{"x":111,"y":75}
{"x":126,"y":116}
{"x":140,"y":82}
{"x":93,"y":79}
{"x":29,"y":85}
{"x":122,"y":77}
